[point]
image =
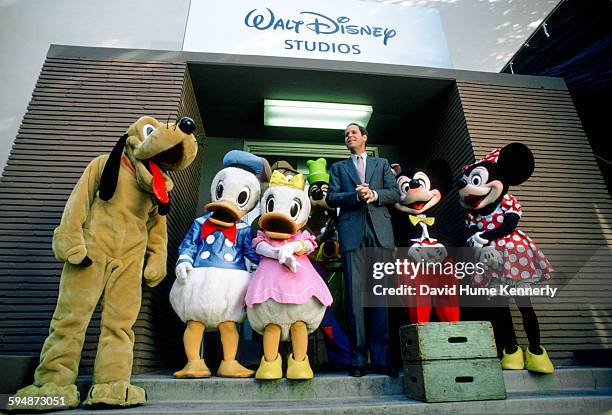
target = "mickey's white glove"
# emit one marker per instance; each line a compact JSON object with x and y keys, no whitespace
{"x":427,"y":253}
{"x":477,"y":241}
{"x":490,"y":257}
{"x":182,"y":271}
{"x":265,"y":249}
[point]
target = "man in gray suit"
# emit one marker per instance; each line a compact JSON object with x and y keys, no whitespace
{"x":363,"y":187}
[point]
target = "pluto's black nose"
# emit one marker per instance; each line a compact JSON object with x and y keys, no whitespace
{"x":187,"y":125}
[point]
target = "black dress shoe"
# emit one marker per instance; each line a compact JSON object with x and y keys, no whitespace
{"x":356,"y":371}
{"x":390,"y":371}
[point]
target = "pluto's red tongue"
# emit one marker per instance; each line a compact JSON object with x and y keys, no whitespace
{"x":159,"y":184}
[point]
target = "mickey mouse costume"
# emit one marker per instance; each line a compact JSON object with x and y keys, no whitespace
{"x":416,"y":227}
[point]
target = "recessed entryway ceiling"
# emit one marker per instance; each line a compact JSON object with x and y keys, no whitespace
{"x":230,"y":99}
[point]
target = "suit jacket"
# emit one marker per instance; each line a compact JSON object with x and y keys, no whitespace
{"x":352,"y":219}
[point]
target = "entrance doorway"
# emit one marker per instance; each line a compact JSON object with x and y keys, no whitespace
{"x":297,"y":155}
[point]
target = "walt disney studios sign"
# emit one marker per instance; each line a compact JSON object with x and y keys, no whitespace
{"x":337,"y":30}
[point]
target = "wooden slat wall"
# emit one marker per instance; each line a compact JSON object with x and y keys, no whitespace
{"x":78,"y":110}
{"x":566,"y":208}
{"x":452,"y":143}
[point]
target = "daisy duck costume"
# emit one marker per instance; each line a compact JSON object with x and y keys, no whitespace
{"x":286,"y":298}
{"x":212,"y":276}
{"x":511,"y":257}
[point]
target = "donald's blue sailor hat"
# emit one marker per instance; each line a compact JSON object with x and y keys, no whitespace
{"x":244,"y":160}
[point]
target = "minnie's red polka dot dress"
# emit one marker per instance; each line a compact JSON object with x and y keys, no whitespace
{"x":522,"y":260}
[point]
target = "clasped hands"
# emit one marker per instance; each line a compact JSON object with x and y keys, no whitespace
{"x":364,"y":193}
{"x":284,"y":254}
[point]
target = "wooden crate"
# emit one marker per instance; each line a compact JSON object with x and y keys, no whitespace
{"x":436,"y":341}
{"x":445,"y":362}
{"x":454,"y":380}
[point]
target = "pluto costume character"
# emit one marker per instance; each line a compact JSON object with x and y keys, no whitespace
{"x":112,"y":227}
{"x":212,"y":276}
{"x":286,"y":297}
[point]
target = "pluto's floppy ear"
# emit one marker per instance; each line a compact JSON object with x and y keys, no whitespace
{"x":110,"y":175}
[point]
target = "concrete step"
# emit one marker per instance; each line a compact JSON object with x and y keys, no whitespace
{"x":554,"y":402}
{"x":161,"y":386}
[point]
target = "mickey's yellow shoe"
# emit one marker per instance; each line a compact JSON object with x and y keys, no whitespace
{"x":539,"y":363}
{"x":299,"y":370}
{"x":270,"y":370}
{"x":513,"y":361}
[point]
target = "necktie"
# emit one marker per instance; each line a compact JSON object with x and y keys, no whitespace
{"x":361,"y":169}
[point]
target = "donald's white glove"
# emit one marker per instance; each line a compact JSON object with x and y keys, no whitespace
{"x":182,"y":271}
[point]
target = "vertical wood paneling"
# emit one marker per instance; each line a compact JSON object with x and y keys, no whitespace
{"x":79,"y":108}
{"x":452,"y":143}
{"x":566,"y":207}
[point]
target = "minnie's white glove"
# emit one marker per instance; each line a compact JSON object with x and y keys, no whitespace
{"x":265,"y":249}
{"x":477,"y":241}
{"x":490,"y":257}
{"x":182,"y":271}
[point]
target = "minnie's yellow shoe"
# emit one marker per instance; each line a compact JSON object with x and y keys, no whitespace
{"x":513,"y":361}
{"x":299,"y":370}
{"x":270,"y":370}
{"x":539,"y":363}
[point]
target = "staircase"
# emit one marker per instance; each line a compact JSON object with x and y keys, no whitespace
{"x":570,"y":390}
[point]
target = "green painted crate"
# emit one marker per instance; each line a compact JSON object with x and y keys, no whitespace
{"x":454,"y":380}
{"x":438,"y":341}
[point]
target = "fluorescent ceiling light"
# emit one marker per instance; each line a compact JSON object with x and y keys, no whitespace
{"x":308,"y":114}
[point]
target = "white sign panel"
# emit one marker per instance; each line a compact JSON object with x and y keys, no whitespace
{"x":340,"y":30}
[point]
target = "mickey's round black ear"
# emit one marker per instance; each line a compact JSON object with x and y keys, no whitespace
{"x":515,"y":164}
{"x":440,"y":175}
{"x":110,"y":174}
